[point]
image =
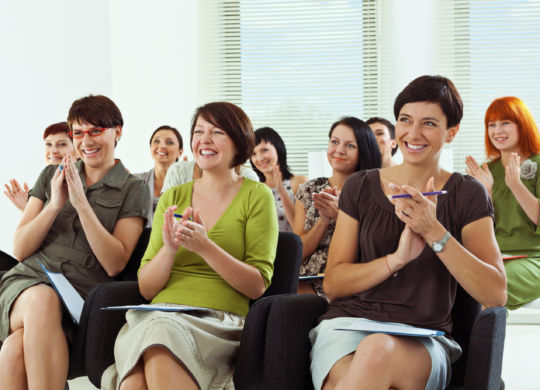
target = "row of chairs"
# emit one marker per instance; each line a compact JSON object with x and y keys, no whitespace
{"x":274,"y":350}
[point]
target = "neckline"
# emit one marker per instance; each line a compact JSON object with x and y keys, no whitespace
{"x":374,"y":182}
{"x":192,"y":184}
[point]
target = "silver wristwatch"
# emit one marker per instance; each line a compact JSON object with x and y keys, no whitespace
{"x":438,"y":246}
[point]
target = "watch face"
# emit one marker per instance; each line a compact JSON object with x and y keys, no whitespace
{"x":437,"y":247}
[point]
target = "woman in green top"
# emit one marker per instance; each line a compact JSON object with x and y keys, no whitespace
{"x":512,"y":179}
{"x":217,"y":257}
{"x":83,"y":219}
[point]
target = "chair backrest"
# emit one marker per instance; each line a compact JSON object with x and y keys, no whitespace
{"x":134,"y":262}
{"x":464,"y":313}
{"x":286,"y":265}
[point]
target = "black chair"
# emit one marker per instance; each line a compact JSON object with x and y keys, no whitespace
{"x":77,"y":353}
{"x":106,"y":324}
{"x":274,"y":351}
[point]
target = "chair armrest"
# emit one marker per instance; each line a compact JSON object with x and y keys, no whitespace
{"x":274,"y":351}
{"x":486,"y":346}
{"x":104,"y":325}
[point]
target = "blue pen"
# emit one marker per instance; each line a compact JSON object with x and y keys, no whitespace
{"x":181,"y":216}
{"x":423,"y":193}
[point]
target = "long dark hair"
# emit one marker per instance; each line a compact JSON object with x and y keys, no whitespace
{"x":267,"y":134}
{"x":369,"y":155}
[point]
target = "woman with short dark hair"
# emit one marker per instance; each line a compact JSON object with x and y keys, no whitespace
{"x":216,"y":257}
{"x":269,"y":161}
{"x":83,"y":220}
{"x":399,"y":259}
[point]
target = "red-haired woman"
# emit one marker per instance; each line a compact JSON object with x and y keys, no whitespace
{"x":512,"y":179}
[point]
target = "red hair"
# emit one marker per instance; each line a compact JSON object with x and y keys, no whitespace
{"x":515,"y":110}
{"x":56,"y":128}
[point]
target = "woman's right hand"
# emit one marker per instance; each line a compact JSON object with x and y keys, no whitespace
{"x":17,"y":194}
{"x":170,"y":230}
{"x":480,"y":173}
{"x":410,"y":246}
{"x":59,"y":191}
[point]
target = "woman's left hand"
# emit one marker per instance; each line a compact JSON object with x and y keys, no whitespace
{"x":418,"y":212}
{"x":192,"y":233}
{"x":512,"y":171}
{"x":77,"y":196}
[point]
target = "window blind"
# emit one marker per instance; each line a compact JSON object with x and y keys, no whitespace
{"x":294,"y":65}
{"x":489,"y":49}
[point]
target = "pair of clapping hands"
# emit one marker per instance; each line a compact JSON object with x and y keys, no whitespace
{"x":66,"y":183}
{"x":419,"y":213}
{"x":326,"y":202}
{"x":188,"y":231}
{"x":483,"y":175}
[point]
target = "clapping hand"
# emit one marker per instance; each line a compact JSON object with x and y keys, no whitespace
{"x":76,"y":192}
{"x":480,"y":173}
{"x":512,"y":171}
{"x":17,"y":194}
{"x":192,"y":233}
{"x":326,"y":202}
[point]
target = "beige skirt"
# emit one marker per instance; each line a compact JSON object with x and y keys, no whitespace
{"x":204,"y":342}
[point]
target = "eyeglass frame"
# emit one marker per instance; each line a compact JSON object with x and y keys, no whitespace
{"x":102,"y":130}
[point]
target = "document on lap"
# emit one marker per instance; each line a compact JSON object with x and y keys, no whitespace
{"x":390,"y":328}
{"x":156,"y":307}
{"x":67,"y":293}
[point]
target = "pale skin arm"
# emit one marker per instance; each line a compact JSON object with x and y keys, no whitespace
{"x":528,"y":202}
{"x":36,"y":219}
{"x":111,"y":250}
{"x":477,"y":264}
{"x":311,"y":238}
{"x":192,"y":236}
{"x":288,"y":204}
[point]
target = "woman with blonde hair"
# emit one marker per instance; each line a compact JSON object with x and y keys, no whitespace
{"x":511,"y":177}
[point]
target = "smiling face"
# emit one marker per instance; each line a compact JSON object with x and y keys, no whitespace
{"x":504,"y":135}
{"x":385,"y":141}
{"x":342,"y":150}
{"x":96,"y":152}
{"x":164,"y":147}
{"x":212,"y":147}
{"x":264,"y":157}
{"x":56,"y":147}
{"x":421,"y":132}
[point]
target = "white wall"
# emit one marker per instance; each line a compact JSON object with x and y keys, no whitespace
{"x":139,"y":53}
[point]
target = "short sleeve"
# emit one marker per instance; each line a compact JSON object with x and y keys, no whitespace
{"x":261,"y":232}
{"x":179,"y":173}
{"x":137,"y":200}
{"x":39,"y":190}
{"x":350,"y":195}
{"x":473,"y":201}
{"x":248,"y":173}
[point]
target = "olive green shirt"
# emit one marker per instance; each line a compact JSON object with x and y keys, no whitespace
{"x":65,"y":248}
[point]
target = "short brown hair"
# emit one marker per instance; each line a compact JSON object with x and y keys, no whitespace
{"x":56,"y":128}
{"x":97,"y":110}
{"x":434,"y":89}
{"x":515,"y":110}
{"x":234,"y":121}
